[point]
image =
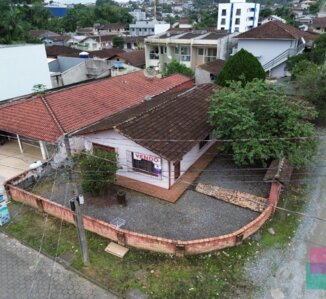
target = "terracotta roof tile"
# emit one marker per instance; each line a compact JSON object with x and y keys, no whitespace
{"x":79,"y":106}
{"x":135,"y":58}
{"x":29,"y":118}
{"x":107,"y":53}
{"x":272,"y":30}
{"x":55,"y":51}
{"x":182,"y":118}
{"x":319,"y":22}
{"x":213,"y":67}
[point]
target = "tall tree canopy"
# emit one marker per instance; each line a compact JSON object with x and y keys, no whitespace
{"x":243,"y":67}
{"x":261,"y":124}
{"x":17,"y":20}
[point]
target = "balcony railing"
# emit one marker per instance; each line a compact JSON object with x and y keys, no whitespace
{"x":209,"y":58}
{"x":154,"y":56}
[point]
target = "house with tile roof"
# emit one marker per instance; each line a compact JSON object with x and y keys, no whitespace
{"x":49,"y":116}
{"x":207,"y":72}
{"x":273,"y":43}
{"x":156,"y":141}
{"x":319,"y":25}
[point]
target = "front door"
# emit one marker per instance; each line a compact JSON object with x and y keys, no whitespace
{"x":176,"y":169}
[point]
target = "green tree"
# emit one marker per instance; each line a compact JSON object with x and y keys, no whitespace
{"x":266,"y":12}
{"x":262,"y":124}
{"x":293,"y":60}
{"x":176,"y":67}
{"x":97,"y":171}
{"x":311,"y":82}
{"x":318,"y":52}
{"x":243,"y":67}
{"x":118,"y":42}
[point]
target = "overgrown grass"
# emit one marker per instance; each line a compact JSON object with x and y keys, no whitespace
{"x":218,"y":274}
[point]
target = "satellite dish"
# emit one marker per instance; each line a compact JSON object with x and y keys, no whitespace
{"x":150,"y":72}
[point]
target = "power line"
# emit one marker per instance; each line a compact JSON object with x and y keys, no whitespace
{"x":58,"y":241}
{"x":42,"y":239}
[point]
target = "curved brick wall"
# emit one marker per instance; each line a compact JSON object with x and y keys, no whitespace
{"x":147,"y":242}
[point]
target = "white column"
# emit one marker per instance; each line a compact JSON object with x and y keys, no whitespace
{"x":44,"y":150}
{"x":20,"y":144}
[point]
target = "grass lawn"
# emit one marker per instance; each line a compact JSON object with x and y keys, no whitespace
{"x":215,"y":275}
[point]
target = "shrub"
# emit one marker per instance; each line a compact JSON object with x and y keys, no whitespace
{"x":97,"y":171}
{"x":243,"y":67}
{"x":177,"y":67}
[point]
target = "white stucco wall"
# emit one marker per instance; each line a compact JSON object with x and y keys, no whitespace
{"x":124,"y":147}
{"x":75,"y":74}
{"x":160,"y":28}
{"x":190,"y":158}
{"x":202,"y":76}
{"x":265,"y":50}
{"x":22,"y":67}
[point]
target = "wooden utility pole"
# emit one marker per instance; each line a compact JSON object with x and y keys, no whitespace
{"x":75,"y":207}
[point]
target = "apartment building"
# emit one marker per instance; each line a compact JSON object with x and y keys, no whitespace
{"x":189,"y":48}
{"x":146,"y":28}
{"x":238,"y":16}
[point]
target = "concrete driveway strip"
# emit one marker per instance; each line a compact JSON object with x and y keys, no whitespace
{"x":24,"y":273}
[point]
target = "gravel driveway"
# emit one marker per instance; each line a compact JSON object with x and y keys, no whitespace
{"x":193,"y":216}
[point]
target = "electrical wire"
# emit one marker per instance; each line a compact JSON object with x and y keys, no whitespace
{"x":41,"y":242}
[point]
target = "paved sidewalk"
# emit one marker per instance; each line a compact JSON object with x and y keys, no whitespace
{"x":24,"y":273}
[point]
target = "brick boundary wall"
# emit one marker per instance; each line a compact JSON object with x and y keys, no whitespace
{"x":142,"y":241}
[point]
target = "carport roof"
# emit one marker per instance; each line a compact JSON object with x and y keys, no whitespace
{"x":49,"y":116}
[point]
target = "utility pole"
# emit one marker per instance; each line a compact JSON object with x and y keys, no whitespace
{"x":75,"y":207}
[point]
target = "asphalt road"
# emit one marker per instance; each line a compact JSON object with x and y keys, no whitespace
{"x":281,"y":274}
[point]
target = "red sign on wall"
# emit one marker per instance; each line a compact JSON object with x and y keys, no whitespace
{"x":155,"y":160}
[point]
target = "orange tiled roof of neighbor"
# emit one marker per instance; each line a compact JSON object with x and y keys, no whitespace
{"x":49,"y":116}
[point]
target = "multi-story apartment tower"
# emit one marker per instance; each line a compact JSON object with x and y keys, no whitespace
{"x":237,"y":16}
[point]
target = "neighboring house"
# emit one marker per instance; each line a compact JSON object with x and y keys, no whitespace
{"x":113,"y":28}
{"x":22,"y":67}
{"x":87,"y":31}
{"x":207,"y":72}
{"x":48,"y":118}
{"x":107,"y":54}
{"x":55,"y":51}
{"x":134,"y":42}
{"x":184,"y":23}
{"x":89,"y":44}
{"x":319,"y":25}
{"x":138,"y":15}
{"x":146,"y":28}
{"x":139,"y":135}
{"x":70,"y":70}
{"x":59,"y":40}
{"x":41,"y":34}
{"x":272,"y":18}
{"x":135,"y":58}
{"x":306,"y":20}
{"x":191,"y":49}
{"x":75,"y":40}
{"x":237,"y":16}
{"x":49,"y":37}
{"x":273,"y":43}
